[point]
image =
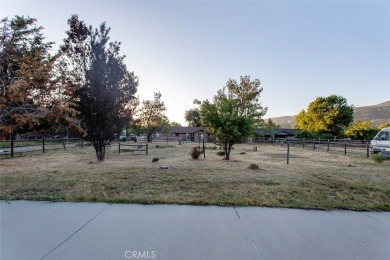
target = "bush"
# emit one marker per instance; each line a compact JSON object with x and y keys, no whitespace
{"x":378,"y":158}
{"x":221,"y":153}
{"x":195,"y":152}
{"x":162,"y":146}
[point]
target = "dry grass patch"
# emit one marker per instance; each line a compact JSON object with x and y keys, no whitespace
{"x":313,"y":179}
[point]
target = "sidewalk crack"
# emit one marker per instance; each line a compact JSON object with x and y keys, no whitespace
{"x":249,"y":234}
{"x":74,"y":233}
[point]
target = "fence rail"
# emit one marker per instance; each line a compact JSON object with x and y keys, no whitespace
{"x":19,"y":147}
{"x":140,"y":147}
{"x":340,"y":145}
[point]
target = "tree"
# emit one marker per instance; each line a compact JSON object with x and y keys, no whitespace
{"x":105,"y":87}
{"x":326,"y":115}
{"x":270,"y":126}
{"x":361,"y":130}
{"x":32,"y":91}
{"x":151,"y":117}
{"x":192,"y":117}
{"x":232,"y":116}
{"x":174,"y":124}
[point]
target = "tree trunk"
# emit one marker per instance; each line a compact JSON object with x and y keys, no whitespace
{"x":228,"y":149}
{"x":100,"y":152}
{"x":149,"y":137}
{"x":12,"y":146}
{"x":225,"y":149}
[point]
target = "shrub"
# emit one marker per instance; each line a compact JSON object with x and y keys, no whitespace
{"x":221,"y":153}
{"x":163,"y":146}
{"x":378,"y":158}
{"x":195,"y":152}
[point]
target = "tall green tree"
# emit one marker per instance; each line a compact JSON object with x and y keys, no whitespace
{"x":326,"y":115}
{"x":234,"y":113}
{"x":192,"y":116}
{"x":105,"y":86}
{"x":270,"y":126}
{"x":151,"y":117}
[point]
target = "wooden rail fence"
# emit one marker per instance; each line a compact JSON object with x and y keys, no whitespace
{"x":140,"y":147}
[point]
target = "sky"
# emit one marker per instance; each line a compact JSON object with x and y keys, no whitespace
{"x":187,"y":50}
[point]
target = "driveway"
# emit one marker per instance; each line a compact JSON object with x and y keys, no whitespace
{"x":64,"y":230}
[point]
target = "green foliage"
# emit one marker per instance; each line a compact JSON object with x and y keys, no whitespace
{"x":192,"y":117}
{"x":329,"y":115}
{"x":361,"y":130}
{"x":271,"y":125}
{"x":105,"y":86}
{"x":174,"y":124}
{"x":313,"y":135}
{"x":378,"y":158}
{"x":306,"y":134}
{"x":232,"y":116}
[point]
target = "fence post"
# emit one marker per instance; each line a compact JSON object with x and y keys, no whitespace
{"x":368,"y":150}
{"x":12,"y":147}
{"x":345,"y":147}
{"x":43,"y":144}
{"x":63,"y":144}
{"x":314,"y":144}
{"x":288,"y":152}
{"x":303,"y":142}
{"x":147,"y":145}
{"x":204,"y":150}
{"x":119,"y":150}
{"x":328,"y":147}
{"x":167,"y":138}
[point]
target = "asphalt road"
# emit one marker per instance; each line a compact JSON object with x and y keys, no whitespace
{"x":45,"y":230}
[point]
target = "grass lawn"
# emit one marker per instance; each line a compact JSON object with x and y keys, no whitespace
{"x":313,"y":179}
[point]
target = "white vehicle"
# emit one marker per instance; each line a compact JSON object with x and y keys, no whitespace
{"x":381,"y":143}
{"x":122,"y":137}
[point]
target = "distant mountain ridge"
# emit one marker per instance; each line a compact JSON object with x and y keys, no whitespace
{"x":377,"y":114}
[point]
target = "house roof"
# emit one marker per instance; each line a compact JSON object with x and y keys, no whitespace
{"x":280,"y":131}
{"x":185,"y":129}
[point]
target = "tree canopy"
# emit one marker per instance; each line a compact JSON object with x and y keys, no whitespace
{"x":105,"y":88}
{"x":192,"y":117}
{"x":361,"y":130}
{"x":33,"y":91}
{"x":327,"y":115}
{"x":151,"y":117}
{"x":234,"y":113}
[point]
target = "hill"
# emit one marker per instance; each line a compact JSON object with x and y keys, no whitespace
{"x":378,"y":114}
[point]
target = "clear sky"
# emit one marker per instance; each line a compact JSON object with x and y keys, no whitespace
{"x":189,"y":49}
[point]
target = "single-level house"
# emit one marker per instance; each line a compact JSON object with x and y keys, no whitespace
{"x":277,"y":133}
{"x":190,"y":133}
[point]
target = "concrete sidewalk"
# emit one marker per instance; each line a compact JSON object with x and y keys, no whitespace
{"x":45,"y":230}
